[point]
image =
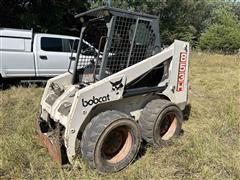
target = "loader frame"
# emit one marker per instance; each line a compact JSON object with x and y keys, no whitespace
{"x":70,"y":102}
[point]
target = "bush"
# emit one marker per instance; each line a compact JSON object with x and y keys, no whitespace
{"x":223,"y":36}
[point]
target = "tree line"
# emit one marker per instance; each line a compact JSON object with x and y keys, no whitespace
{"x":212,"y":25}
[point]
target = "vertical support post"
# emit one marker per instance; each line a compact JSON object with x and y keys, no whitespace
{"x":157,"y":45}
{"x":132,"y":44}
{"x":108,"y":43}
{"x":74,"y":78}
{"x":109,"y":3}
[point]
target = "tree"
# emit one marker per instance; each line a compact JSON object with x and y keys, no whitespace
{"x":52,"y":16}
{"x":222,"y":33}
{"x":185,"y":20}
{"x":182,"y":20}
{"x":178,"y":19}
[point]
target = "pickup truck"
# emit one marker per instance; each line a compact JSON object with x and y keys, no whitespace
{"x":28,"y":55}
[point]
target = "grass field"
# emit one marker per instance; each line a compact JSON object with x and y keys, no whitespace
{"x":208,"y":149}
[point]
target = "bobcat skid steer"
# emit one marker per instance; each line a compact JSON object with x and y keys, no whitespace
{"x":124,"y":92}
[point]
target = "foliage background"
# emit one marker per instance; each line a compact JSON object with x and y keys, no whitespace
{"x":207,"y":24}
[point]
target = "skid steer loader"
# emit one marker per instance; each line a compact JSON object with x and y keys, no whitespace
{"x":126,"y":91}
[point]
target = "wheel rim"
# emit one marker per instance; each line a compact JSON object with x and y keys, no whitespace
{"x":117,"y":145}
{"x":168,"y":126}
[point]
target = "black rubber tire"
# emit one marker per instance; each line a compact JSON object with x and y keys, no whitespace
{"x":2,"y":83}
{"x":153,"y":118}
{"x":97,"y":133}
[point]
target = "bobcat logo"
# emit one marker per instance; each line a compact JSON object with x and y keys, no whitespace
{"x":116,"y":86}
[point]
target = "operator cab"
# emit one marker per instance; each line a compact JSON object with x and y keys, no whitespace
{"x":118,"y":39}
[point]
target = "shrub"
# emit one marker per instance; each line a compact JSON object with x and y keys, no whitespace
{"x":222,"y":36}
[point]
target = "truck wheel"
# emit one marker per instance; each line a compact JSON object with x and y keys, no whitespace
{"x":110,"y":141}
{"x":160,"y":121}
{"x":3,"y":85}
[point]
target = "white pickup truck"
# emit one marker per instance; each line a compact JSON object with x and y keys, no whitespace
{"x":28,"y":55}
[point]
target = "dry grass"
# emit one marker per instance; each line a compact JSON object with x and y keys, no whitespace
{"x":209,"y":148}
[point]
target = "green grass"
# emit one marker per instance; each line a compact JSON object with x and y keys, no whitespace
{"x":208,"y":149}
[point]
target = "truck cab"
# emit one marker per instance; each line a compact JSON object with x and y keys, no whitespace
{"x":24,"y":54}
{"x":53,"y":53}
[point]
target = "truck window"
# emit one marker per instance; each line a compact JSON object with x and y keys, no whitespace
{"x":51,"y":44}
{"x":68,"y":45}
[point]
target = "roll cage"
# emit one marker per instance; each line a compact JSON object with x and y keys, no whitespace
{"x":120,"y":38}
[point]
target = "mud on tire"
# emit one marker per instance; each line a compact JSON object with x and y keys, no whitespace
{"x":160,"y":121}
{"x":110,"y":141}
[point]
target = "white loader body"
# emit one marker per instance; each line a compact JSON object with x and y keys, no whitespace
{"x":74,"y":106}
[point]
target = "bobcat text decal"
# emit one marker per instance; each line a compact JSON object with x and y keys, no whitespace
{"x":116,"y":86}
{"x":181,"y":71}
{"x":95,"y":100}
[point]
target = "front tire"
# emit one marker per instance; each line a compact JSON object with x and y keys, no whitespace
{"x":160,"y":121}
{"x":111,"y":141}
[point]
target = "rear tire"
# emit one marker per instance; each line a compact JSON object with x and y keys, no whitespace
{"x":110,"y":142}
{"x":160,"y":121}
